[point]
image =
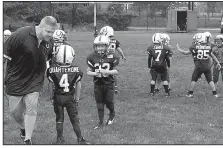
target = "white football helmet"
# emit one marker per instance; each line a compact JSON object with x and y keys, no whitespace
{"x":157,"y":38}
{"x":65,"y":54}
{"x":59,"y":36}
{"x":201,"y":38}
{"x":107,"y":31}
{"x":166,"y":39}
{"x":101,"y":44}
{"x":7,"y":32}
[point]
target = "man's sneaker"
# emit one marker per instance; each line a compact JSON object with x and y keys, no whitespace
{"x":110,"y":119}
{"x":216,"y":96}
{"x":28,"y":142}
{"x":99,"y":126}
{"x":60,"y":140}
{"x":82,"y":141}
{"x":22,"y":133}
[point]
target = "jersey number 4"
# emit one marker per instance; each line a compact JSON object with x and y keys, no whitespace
{"x":64,"y":83}
{"x":158,"y":55}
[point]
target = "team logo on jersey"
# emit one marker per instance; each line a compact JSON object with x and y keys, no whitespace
{"x":47,"y":45}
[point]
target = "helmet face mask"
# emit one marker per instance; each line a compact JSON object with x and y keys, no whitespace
{"x":218,"y":40}
{"x":101,"y":44}
{"x":101,"y":49}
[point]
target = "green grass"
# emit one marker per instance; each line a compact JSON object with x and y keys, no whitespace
{"x":140,"y":118}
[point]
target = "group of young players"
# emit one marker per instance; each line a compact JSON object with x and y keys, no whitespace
{"x":65,"y":77}
{"x":207,"y":56}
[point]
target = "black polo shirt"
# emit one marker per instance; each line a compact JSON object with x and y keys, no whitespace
{"x":27,"y":61}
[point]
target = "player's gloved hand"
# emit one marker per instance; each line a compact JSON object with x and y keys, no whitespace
{"x":124,"y":58}
{"x":104,"y":72}
{"x":98,"y":73}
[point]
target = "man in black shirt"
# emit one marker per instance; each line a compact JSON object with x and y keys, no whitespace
{"x":26,"y":52}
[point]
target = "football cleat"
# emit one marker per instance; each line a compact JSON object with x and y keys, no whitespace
{"x":99,"y":126}
{"x":190,"y":95}
{"x":152,"y":93}
{"x":82,"y":141}
{"x":28,"y":142}
{"x":22,"y":133}
{"x":215,"y":94}
{"x":110,"y":119}
{"x":167,"y":95}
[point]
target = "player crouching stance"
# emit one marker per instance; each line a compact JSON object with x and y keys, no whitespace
{"x":158,"y":62}
{"x":66,"y":79}
{"x":201,"y":51}
{"x":101,"y":64}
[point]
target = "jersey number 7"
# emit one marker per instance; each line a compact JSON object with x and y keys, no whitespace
{"x":158,"y":55}
{"x":64,"y":83}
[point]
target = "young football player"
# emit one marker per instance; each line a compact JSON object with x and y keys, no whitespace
{"x":158,"y":62}
{"x":201,"y":51}
{"x":218,"y":52}
{"x":113,"y":46}
{"x":102,"y":67}
{"x":66,"y":78}
{"x":166,"y":41}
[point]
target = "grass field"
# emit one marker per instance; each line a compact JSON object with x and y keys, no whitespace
{"x":140,"y":118}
